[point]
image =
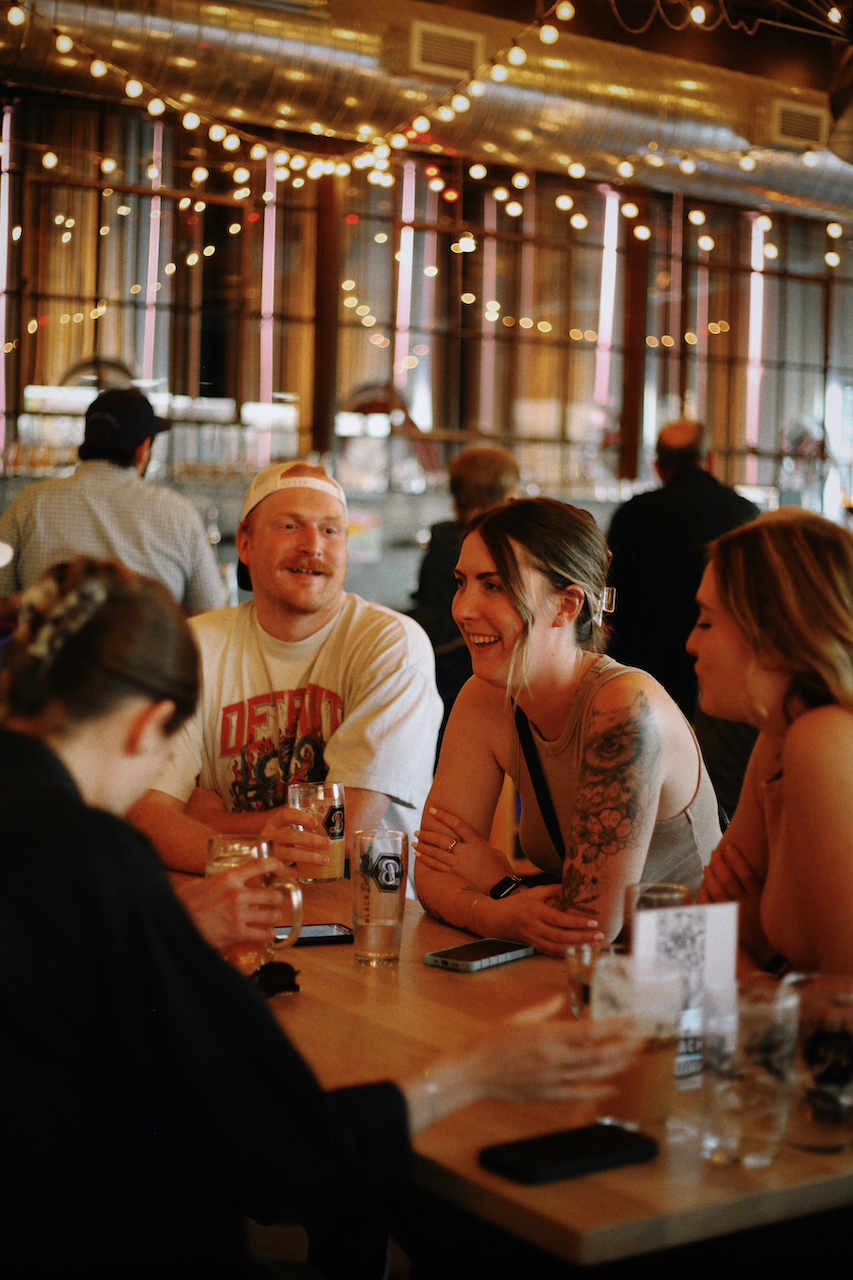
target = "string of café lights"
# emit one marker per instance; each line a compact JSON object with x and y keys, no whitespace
{"x":375,"y":157}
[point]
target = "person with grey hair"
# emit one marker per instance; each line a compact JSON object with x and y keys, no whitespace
{"x":658,"y":542}
{"x":104,"y":509}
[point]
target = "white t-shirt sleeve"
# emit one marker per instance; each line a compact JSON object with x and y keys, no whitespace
{"x":386,"y":742}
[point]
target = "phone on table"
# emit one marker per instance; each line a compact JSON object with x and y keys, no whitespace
{"x":568,"y":1153}
{"x":468,"y":957}
{"x":314,"y":935}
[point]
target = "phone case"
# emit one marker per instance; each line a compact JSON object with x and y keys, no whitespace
{"x":462,"y":961}
{"x":568,"y":1153}
{"x":322,"y":940}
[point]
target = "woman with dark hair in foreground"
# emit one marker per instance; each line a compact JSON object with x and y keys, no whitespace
{"x":150,"y":1099}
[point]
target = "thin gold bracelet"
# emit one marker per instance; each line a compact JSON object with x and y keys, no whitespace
{"x":471,"y":924}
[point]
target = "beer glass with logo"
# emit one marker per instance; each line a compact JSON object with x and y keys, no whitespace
{"x":226,"y":852}
{"x":325,"y":802}
{"x":379,"y":867}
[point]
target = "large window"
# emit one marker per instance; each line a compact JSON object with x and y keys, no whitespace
{"x":273,"y":303}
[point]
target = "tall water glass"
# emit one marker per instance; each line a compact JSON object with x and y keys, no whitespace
{"x":749,"y":1035}
{"x":378,"y":867}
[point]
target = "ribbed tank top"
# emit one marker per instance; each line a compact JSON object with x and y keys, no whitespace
{"x":680,"y":846}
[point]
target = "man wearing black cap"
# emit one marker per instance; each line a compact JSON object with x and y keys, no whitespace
{"x":105,"y":509}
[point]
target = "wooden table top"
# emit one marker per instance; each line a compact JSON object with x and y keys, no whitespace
{"x":355,"y":1024}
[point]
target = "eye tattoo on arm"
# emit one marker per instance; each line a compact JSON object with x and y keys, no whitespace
{"x":619,"y":779}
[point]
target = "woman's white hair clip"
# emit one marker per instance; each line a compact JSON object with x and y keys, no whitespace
{"x":62,"y":618}
{"x":606,"y":604}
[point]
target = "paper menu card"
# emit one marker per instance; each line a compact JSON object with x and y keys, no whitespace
{"x":702,"y":942}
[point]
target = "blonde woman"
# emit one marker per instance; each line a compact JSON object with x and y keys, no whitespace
{"x":623,"y":794}
{"x":774,"y":648}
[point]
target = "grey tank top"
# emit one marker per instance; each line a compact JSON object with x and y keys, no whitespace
{"x":680,"y":846}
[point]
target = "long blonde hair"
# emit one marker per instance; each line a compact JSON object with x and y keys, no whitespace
{"x":787,"y":580}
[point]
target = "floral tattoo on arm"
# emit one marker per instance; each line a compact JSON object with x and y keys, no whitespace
{"x":617,"y":786}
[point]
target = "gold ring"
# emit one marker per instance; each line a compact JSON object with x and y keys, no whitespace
{"x":452,"y":845}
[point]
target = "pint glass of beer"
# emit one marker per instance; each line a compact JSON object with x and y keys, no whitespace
{"x":325,"y":802}
{"x":226,"y":852}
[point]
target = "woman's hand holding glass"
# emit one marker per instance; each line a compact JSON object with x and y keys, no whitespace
{"x":228,"y":911}
{"x":446,"y":843}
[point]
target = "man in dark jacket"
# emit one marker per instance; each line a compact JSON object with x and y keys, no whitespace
{"x":658,"y":541}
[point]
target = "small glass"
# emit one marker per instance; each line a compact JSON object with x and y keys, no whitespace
{"x":325,"y":802}
{"x":580,"y":962}
{"x":822,"y":1108}
{"x":651,"y":897}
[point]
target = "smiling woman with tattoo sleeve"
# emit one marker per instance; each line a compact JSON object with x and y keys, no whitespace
{"x":613,"y":787}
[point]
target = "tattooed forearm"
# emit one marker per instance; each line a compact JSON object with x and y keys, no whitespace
{"x":613,"y":807}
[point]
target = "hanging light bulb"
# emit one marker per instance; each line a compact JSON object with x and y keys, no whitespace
{"x":231,"y":142}
{"x":134,"y":89}
{"x":156,"y":107}
{"x":459,"y":102}
{"x":477,"y":171}
{"x":216,"y":132}
{"x":97,"y":68}
{"x":697,"y":14}
{"x":191,"y":120}
{"x":15,"y":16}
{"x":499,"y":72}
{"x":516,"y":56}
{"x":565,"y":11}
{"x":548,"y":34}
{"x":200,"y":174}
{"x":64,"y":44}
{"x":258,"y":152}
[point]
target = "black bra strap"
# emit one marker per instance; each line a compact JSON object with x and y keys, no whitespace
{"x":537,"y":777}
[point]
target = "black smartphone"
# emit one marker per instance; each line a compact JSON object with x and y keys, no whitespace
{"x":568,"y":1153}
{"x":314,"y":935}
{"x":468,"y":957}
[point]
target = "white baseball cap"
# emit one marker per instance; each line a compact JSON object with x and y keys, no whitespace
{"x":273,"y":479}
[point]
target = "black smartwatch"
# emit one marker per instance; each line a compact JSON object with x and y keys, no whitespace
{"x":505,"y":887}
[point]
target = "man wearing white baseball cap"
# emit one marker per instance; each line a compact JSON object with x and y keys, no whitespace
{"x":304,"y":682}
